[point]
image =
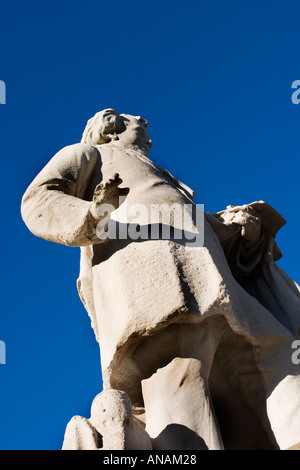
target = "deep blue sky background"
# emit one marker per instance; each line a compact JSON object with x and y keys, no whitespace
{"x":214,"y":80}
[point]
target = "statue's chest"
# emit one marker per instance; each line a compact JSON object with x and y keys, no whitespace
{"x":137,"y":173}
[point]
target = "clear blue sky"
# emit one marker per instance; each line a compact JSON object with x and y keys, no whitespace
{"x":213,"y":78}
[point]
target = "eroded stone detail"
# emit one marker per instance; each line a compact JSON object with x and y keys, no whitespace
{"x":189,"y":334}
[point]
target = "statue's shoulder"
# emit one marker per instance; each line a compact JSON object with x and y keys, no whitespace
{"x":80,"y":148}
{"x":76,"y":153}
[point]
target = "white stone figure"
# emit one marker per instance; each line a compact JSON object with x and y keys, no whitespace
{"x":197,"y":337}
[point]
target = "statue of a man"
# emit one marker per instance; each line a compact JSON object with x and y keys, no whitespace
{"x":199,"y":336}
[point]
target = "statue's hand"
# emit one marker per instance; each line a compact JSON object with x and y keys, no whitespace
{"x":108,"y":193}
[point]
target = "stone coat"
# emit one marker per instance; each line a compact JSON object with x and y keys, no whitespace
{"x":132,"y":289}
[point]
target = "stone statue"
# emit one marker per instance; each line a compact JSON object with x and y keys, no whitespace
{"x":195,"y":338}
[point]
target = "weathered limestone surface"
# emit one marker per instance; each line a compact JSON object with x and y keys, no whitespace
{"x":111,"y":426}
{"x":195,"y":336}
{"x":171,"y":425}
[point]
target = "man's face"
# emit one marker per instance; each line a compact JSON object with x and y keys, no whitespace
{"x":136,"y":131}
{"x":128,"y":130}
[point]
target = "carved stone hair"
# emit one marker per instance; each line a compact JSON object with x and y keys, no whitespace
{"x":93,"y":133}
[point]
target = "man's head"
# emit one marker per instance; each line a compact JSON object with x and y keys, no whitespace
{"x":101,"y":128}
{"x":126,"y":130}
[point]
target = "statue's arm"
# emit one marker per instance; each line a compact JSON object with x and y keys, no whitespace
{"x":55,"y":206}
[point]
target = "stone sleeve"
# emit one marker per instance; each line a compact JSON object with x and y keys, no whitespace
{"x":55,"y":207}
